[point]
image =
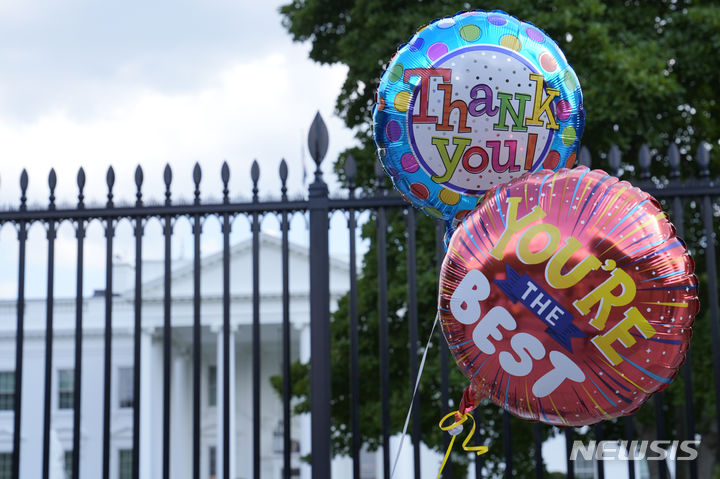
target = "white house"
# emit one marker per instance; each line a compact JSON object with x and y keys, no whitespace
{"x":152,"y":368}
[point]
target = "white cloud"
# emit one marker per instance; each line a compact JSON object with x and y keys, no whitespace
{"x":95,"y":84}
{"x":78,"y":53}
{"x":254,"y":110}
{"x":257,"y":103}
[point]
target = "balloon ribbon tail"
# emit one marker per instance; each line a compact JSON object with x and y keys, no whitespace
{"x":447,"y":455}
{"x":454,"y":430}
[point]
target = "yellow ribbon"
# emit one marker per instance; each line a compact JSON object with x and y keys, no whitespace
{"x":461,"y":419}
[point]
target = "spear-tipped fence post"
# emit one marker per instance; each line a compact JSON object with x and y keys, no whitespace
{"x":81,"y":187}
{"x":319,"y":305}
{"x":167,"y":179}
{"x":703,"y":159}
{"x":197,"y":176}
{"x":225,"y":177}
{"x":614,"y":158}
{"x":644,"y":161}
{"x":585,"y":157}
{"x":318,"y":146}
{"x":23,"y":189}
{"x":138,"y":185}
{"x":283,"y":171}
{"x":52,"y":183}
{"x":110,"y":182}
{"x":255,"y":177}
{"x":350,"y":174}
{"x":674,"y":160}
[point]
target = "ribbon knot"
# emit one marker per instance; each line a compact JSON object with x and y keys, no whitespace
{"x":454,"y":429}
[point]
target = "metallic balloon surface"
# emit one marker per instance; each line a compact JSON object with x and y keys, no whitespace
{"x":471,"y":102}
{"x":566,"y":297}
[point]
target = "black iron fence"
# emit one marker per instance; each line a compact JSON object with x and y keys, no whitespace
{"x":696,"y":196}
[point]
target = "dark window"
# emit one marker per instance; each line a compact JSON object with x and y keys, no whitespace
{"x":66,"y":387}
{"x":212,"y":386}
{"x":125,"y":387}
{"x":7,"y":390}
{"x":584,"y":468}
{"x":5,"y":465}
{"x":294,"y":472}
{"x":212,"y":462}
{"x":125,"y":464}
{"x":67,"y":463}
{"x":367,"y":464}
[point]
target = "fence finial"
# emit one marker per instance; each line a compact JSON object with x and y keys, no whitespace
{"x":644,"y":162}
{"x":138,"y":185}
{"x":52,"y":183}
{"x":23,"y":189}
{"x":167,"y":179}
{"x":197,"y":176}
{"x":110,"y":181}
{"x":81,"y":186}
{"x":317,"y":147}
{"x":585,"y":157}
{"x":614,"y":159}
{"x":255,"y":176}
{"x":318,"y":139}
{"x":703,"y":158}
{"x":225,"y":177}
{"x":674,"y":160}
{"x":283,"y":178}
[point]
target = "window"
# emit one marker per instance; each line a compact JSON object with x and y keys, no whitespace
{"x":644,"y":469}
{"x":125,"y":387}
{"x":212,"y":462}
{"x":7,"y":391}
{"x":66,"y":387}
{"x":368,"y":465}
{"x":67,"y":463}
{"x":584,"y":468}
{"x":5,"y":465}
{"x":125,"y":464}
{"x":212,"y":385}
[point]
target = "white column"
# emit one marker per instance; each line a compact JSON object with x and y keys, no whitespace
{"x":181,"y":415}
{"x":155,"y":447}
{"x":220,"y":402}
{"x":146,"y":366}
{"x":233,"y":408}
{"x":305,"y":419}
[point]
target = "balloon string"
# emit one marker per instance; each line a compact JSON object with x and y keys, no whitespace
{"x":417,"y":384}
{"x":447,"y":455}
{"x":454,"y":430}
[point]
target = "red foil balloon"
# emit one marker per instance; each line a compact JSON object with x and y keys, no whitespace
{"x":567,"y":298}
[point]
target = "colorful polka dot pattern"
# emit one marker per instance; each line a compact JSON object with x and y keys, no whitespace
{"x":430,"y":46}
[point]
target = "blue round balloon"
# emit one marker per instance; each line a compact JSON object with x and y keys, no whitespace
{"x":473,"y":101}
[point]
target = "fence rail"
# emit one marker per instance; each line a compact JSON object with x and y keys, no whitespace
{"x":676,"y":192}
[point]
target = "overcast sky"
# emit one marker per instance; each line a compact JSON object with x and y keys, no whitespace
{"x":95,"y":84}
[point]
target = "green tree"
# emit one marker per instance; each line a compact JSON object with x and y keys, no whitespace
{"x":649,"y":73}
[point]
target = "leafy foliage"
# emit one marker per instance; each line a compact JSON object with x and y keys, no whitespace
{"x":649,"y":74}
{"x":648,"y":70}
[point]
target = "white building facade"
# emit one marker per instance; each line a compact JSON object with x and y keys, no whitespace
{"x":151,"y":376}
